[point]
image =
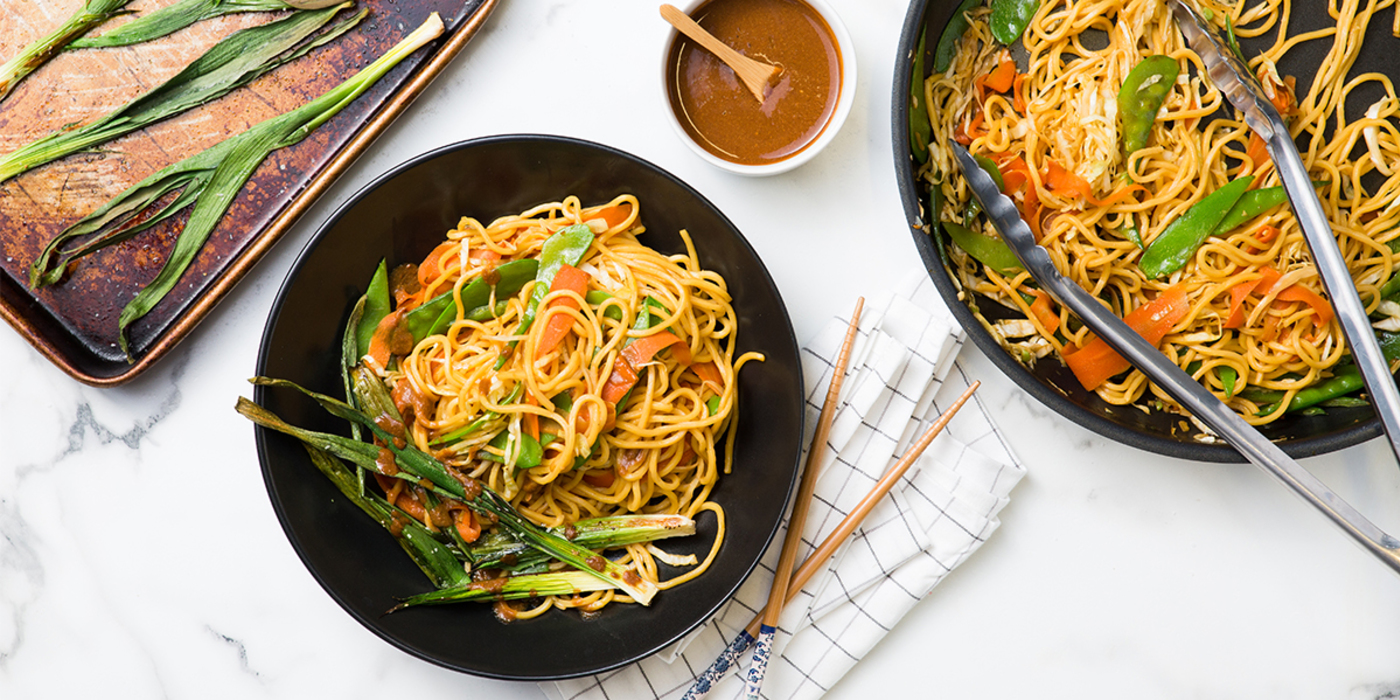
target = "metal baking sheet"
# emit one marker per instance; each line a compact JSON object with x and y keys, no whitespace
{"x":74,"y":324}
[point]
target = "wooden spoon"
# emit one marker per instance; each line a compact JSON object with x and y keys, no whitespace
{"x":754,"y":74}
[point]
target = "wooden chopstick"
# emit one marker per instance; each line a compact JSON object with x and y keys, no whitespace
{"x":788,"y":557}
{"x":852,"y":521}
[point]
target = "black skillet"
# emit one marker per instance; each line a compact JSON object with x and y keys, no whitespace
{"x":1050,"y":381}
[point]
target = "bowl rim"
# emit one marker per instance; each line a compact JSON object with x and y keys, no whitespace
{"x":844,"y":100}
{"x":909,"y":193}
{"x":262,"y":435}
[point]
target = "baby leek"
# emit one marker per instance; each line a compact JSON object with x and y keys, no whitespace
{"x":172,"y":18}
{"x":94,"y":12}
{"x":209,"y":181}
{"x":228,"y":65}
{"x":510,"y":588}
{"x":423,"y":469}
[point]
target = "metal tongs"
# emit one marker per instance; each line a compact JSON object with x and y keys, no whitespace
{"x":1237,"y":82}
{"x":1172,"y":379}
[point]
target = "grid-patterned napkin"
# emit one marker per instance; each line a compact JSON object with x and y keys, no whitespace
{"x":902,"y":370}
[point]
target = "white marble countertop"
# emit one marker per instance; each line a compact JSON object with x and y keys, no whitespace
{"x":139,"y":556}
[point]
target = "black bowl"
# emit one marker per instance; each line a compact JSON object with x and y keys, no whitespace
{"x":1050,"y":381}
{"x":401,"y":216}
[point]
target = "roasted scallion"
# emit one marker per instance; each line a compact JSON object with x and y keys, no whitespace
{"x":93,"y":13}
{"x":209,"y":181}
{"x":424,"y":470}
{"x":233,"y":62}
{"x":172,"y":18}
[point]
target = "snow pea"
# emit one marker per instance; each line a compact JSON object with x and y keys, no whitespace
{"x":974,"y":207}
{"x":375,"y":309}
{"x":435,"y":315}
{"x":1141,"y":97}
{"x":952,"y":32}
{"x":992,"y":252}
{"x":920,"y":128}
{"x":1179,"y":241}
{"x":1010,"y":18}
{"x":566,"y":247}
{"x":1344,"y":380}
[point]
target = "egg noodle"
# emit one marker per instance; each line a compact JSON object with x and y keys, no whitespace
{"x":1059,"y":127}
{"x":655,"y":450}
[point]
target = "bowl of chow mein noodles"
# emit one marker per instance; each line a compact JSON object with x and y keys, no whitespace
{"x":528,"y":407}
{"x":1149,"y":190}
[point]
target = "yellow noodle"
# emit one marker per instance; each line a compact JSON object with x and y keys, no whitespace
{"x":656,"y":453}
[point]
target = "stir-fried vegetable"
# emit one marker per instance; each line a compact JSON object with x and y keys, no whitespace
{"x":420,"y":468}
{"x":1010,"y":18}
{"x":172,"y":18}
{"x":948,"y":41}
{"x":93,"y":13}
{"x":992,"y":252}
{"x":232,"y":63}
{"x":209,"y":181}
{"x":920,"y":128}
{"x":1141,"y":97}
{"x":1180,"y":239}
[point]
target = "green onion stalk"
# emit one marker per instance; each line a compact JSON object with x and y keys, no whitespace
{"x":209,"y":181}
{"x":511,"y":588}
{"x":234,"y":62}
{"x":93,"y":13}
{"x":172,"y":18}
{"x":422,"y":469}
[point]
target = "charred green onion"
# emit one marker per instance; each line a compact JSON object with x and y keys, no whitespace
{"x":236,"y":61}
{"x":209,"y":181}
{"x":94,"y":12}
{"x":172,"y":18}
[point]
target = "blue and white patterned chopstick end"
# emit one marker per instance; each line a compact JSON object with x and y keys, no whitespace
{"x":762,"y":651}
{"x":716,"y":671}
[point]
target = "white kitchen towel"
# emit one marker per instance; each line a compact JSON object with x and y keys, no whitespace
{"x":902,"y":372}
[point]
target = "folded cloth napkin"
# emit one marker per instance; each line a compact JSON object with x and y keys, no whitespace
{"x":902,"y":370}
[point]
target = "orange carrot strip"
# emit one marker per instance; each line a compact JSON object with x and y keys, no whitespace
{"x":379,"y":340}
{"x":1257,"y":152}
{"x":1266,"y":234}
{"x":1096,"y":362}
{"x":568,"y":278}
{"x":1018,"y":93}
{"x":431,"y":269}
{"x":467,"y":526}
{"x":599,"y":478}
{"x":709,"y":374}
{"x":637,"y":353}
{"x":1044,"y":311}
{"x":614,"y":215}
{"x":1322,"y":311}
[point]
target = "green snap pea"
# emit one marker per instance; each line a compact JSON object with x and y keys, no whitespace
{"x":920,"y":128}
{"x":1251,"y":204}
{"x":992,"y":252}
{"x":436,"y":314}
{"x":1179,"y":241}
{"x":974,"y":207}
{"x":1141,"y":97}
{"x":948,"y":41}
{"x":375,"y":309}
{"x":1228,"y":377}
{"x":566,"y":247}
{"x":1010,"y":18}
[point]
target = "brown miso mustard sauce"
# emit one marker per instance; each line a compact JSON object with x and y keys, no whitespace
{"x":721,"y":115}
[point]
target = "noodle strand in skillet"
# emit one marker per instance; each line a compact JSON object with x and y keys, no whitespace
{"x":1149,"y":192}
{"x":554,"y":359}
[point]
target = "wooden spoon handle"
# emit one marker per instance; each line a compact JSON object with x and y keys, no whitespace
{"x":752,"y":73}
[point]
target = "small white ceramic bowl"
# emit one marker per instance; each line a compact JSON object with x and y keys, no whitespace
{"x":838,"y":115}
